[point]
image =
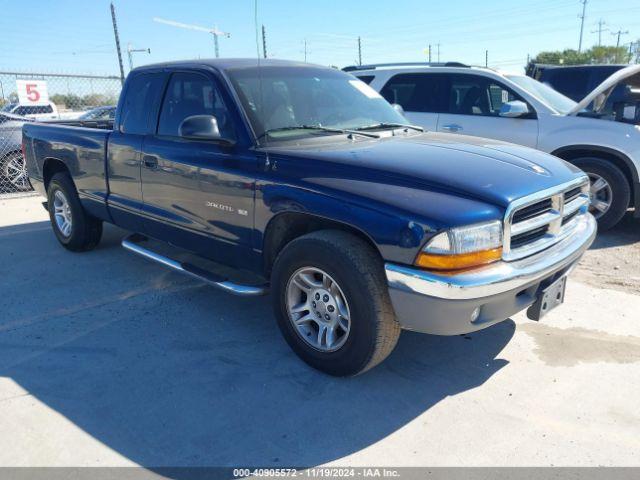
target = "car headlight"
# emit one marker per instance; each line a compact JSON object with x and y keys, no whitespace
{"x":463,"y":247}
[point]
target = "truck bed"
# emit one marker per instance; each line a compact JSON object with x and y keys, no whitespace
{"x":80,"y":145}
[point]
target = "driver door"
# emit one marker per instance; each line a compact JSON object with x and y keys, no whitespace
{"x":474,"y":109}
{"x":197,"y":194}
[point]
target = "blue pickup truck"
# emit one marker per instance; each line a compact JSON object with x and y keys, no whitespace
{"x":357,"y":223}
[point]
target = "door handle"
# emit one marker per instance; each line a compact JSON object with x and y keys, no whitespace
{"x":452,"y":127}
{"x":150,"y":161}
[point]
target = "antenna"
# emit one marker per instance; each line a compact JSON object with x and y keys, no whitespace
{"x":213,"y":31}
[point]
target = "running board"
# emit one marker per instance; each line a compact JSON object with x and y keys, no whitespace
{"x":133,"y":243}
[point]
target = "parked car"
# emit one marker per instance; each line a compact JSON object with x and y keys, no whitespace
{"x":603,"y":141}
{"x":13,"y":170}
{"x":34,"y":112}
{"x":307,"y":178}
{"x":107,"y":112}
{"x":575,"y":81}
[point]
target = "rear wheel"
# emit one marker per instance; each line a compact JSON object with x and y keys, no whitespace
{"x":609,"y":191}
{"x":74,"y":228}
{"x":332,"y":303}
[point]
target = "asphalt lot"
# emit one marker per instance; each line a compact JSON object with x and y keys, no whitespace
{"x":107,"y":359}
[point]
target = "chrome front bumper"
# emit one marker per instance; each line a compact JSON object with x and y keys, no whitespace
{"x":442,"y":304}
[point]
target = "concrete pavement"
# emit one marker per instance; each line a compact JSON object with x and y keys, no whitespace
{"x":107,"y":359}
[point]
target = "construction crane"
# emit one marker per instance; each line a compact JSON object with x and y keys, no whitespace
{"x":213,"y":31}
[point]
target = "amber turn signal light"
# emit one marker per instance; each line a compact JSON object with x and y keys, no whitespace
{"x":432,"y":261}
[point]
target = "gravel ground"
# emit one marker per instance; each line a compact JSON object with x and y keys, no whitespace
{"x":614,"y":259}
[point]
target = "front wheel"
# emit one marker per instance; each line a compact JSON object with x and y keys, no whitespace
{"x":332,"y":303}
{"x":74,"y":228}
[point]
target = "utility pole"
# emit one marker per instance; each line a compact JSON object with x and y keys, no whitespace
{"x":438,"y":47}
{"x":131,"y":51}
{"x":601,"y":23}
{"x":584,"y":9}
{"x":115,"y":33}
{"x":429,"y":53}
{"x":486,"y":58}
{"x":359,"y":51}
{"x":264,"y":42}
{"x":305,"y":50}
{"x":618,"y":33}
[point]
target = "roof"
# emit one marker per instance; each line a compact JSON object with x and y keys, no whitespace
{"x":228,"y":63}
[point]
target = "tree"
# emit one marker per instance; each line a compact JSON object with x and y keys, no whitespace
{"x":595,"y":55}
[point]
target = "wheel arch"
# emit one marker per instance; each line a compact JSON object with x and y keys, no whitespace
{"x":50,"y":167}
{"x":287,"y":226}
{"x":617,"y":158}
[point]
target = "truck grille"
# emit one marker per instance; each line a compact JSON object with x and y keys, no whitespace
{"x":536,"y":222}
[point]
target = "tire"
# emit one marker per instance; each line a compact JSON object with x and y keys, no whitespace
{"x":14,"y":170}
{"x":84,"y":231}
{"x":620,"y":192}
{"x":358,"y":272}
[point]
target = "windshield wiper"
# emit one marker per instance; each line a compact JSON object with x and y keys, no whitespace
{"x":390,"y":125}
{"x":317,"y":127}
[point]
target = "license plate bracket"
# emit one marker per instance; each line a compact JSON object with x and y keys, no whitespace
{"x":548,"y":299}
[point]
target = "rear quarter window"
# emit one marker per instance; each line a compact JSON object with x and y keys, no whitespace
{"x":366,"y":78}
{"x":418,"y":92}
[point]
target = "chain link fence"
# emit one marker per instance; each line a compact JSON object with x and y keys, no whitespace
{"x":28,"y":97}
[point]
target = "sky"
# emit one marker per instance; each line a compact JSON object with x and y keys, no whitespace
{"x":74,"y":36}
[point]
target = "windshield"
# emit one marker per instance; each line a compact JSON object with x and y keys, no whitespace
{"x":9,"y":106}
{"x":278,"y":98}
{"x":544,"y":93}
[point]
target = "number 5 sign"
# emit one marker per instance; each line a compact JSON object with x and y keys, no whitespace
{"x":32,"y":92}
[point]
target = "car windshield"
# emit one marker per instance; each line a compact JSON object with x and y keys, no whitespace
{"x":544,"y":93}
{"x":278,"y":99}
{"x":8,"y":107}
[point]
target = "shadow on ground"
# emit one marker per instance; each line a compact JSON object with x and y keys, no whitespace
{"x":168,"y":372}
{"x":626,"y":232}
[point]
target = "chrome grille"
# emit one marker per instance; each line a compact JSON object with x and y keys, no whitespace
{"x":538,"y":221}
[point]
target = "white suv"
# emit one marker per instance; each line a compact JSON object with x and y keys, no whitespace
{"x":604,"y":141}
{"x":48,"y":111}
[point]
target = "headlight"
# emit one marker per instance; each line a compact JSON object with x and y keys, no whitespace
{"x":463,"y":247}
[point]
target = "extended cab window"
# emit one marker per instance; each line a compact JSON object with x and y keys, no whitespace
{"x":142,"y":92}
{"x":417,"y":92}
{"x":192,"y":94}
{"x":476,"y":95}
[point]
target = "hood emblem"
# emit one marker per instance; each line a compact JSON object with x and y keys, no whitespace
{"x":538,"y":169}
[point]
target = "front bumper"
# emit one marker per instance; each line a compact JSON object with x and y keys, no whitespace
{"x":443,"y":304}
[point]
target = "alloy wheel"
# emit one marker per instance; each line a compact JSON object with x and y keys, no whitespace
{"x":318,"y":309}
{"x":601,"y":195}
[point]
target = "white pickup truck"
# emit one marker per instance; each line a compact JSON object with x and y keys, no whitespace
{"x":601,"y":138}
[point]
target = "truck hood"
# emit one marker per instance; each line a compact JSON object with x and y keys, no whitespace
{"x":477,"y":168}
{"x":599,"y":96}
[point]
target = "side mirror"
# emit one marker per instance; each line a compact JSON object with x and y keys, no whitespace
{"x":514,"y":109}
{"x":202,"y":127}
{"x":398,"y":108}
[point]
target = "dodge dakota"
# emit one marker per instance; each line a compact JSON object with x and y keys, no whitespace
{"x":358,"y":223}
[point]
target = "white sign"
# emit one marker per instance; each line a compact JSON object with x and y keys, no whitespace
{"x":32,"y":92}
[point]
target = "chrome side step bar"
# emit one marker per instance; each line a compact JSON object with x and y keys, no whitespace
{"x":133,"y":243}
